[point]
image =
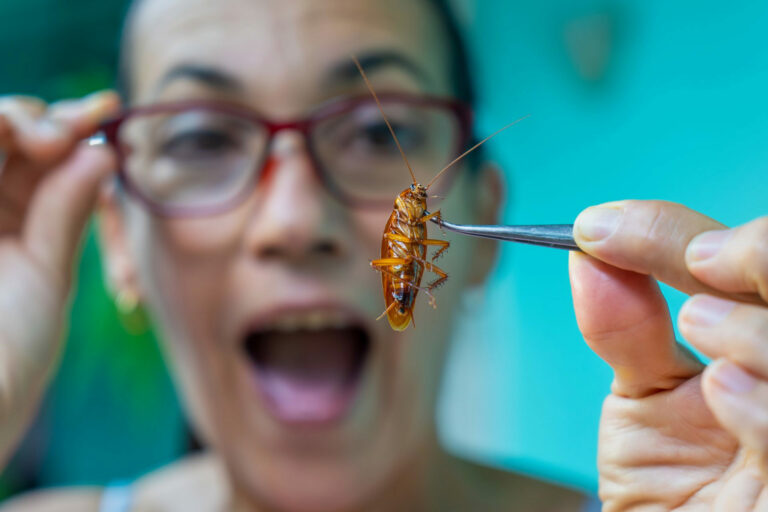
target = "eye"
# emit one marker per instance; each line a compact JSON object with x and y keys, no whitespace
{"x":375,"y":136}
{"x":200,"y":143}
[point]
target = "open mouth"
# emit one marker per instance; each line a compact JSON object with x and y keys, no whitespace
{"x":308,"y":366}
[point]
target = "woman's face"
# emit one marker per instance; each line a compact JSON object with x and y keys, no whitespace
{"x":268,"y":310}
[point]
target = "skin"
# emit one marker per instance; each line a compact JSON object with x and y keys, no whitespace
{"x":672,"y":437}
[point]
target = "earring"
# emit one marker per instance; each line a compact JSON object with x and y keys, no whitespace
{"x":131,"y":314}
{"x":127,"y":302}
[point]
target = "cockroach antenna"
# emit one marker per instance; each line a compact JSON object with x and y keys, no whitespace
{"x":381,"y":109}
{"x":458,"y":158}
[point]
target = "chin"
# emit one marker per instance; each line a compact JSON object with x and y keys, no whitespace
{"x":290,"y":486}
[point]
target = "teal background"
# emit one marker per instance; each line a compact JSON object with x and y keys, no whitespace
{"x":632,"y":99}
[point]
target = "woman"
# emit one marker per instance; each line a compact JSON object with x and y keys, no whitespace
{"x":258,"y":281}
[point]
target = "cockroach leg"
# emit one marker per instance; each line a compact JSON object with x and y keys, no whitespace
{"x":381,"y":267}
{"x":390,"y":262}
{"x":400,"y":238}
{"x":429,"y":216}
{"x":444,"y":244}
{"x":442,"y":275}
{"x":426,"y":242}
{"x":437,"y":215}
{"x":394,"y":303}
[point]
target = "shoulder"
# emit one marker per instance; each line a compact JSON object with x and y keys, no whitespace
{"x":195,"y":483}
{"x":68,"y":499}
{"x":495,"y":489}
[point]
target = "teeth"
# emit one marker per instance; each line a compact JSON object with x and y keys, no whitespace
{"x":310,"y":321}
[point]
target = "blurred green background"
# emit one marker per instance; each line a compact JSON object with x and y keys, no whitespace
{"x":631,"y":99}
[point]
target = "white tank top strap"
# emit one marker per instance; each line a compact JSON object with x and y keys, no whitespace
{"x":117,"y":497}
{"x":592,"y":505}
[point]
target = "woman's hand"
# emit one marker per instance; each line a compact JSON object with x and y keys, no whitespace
{"x":49,"y":181}
{"x":676,"y":435}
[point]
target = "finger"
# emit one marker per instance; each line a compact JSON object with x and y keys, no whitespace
{"x":84,"y":116}
{"x":47,"y":135}
{"x":648,"y":237}
{"x":25,"y":132}
{"x":739,"y":401}
{"x":732,"y":260}
{"x":34,"y":106}
{"x":17,"y":111}
{"x":724,"y":328}
{"x":741,"y":492}
{"x":6,"y":134}
{"x":61,"y":207}
{"x":624,"y":319}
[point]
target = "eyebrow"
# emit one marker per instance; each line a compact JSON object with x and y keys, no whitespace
{"x":372,"y":61}
{"x":203,"y":73}
{"x":345,"y":71}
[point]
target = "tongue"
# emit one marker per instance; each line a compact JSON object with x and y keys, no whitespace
{"x":308,"y":376}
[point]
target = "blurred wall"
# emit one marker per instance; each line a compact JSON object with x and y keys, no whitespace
{"x":633,"y":99}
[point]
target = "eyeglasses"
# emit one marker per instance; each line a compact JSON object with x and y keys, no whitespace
{"x":201,"y":157}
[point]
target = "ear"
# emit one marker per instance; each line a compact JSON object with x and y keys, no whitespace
{"x":488,"y":197}
{"x":119,"y":267}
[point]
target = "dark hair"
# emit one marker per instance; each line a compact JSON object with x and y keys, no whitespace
{"x":460,"y":64}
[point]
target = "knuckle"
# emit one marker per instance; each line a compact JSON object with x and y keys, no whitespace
{"x":653,"y":220}
{"x":756,"y":255}
{"x":65,"y":108}
{"x":29,"y":105}
{"x":759,"y":428}
{"x":758,"y":334}
{"x":747,"y":338}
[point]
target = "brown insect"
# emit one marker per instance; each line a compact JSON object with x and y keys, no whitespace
{"x":404,"y":243}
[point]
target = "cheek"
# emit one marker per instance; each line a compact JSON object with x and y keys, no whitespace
{"x":182,"y":267}
{"x":370,"y":226}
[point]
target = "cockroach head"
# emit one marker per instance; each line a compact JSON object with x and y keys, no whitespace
{"x":419,"y":190}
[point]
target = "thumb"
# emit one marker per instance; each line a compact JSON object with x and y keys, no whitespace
{"x":624,"y":319}
{"x":61,"y":207}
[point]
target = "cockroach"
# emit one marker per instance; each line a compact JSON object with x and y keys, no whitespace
{"x":404,"y":242}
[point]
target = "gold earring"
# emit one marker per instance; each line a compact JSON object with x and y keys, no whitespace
{"x":131,"y":314}
{"x":127,"y":302}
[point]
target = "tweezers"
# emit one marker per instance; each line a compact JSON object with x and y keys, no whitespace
{"x":557,"y":236}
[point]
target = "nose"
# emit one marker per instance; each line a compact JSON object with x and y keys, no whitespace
{"x":295,"y":220}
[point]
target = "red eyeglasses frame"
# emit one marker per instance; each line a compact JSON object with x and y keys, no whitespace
{"x":304,"y":126}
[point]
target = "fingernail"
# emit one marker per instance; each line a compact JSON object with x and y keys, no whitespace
{"x":96,"y":102}
{"x":732,"y":378}
{"x":598,"y":222}
{"x":706,"y":245}
{"x":705,"y":310}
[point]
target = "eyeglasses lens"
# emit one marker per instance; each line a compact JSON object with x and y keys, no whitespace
{"x":204,"y":158}
{"x":191,"y":159}
{"x":361,"y":159}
